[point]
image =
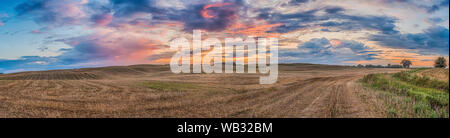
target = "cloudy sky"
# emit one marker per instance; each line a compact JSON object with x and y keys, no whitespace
{"x":61,"y":34}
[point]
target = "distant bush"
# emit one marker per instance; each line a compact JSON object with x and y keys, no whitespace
{"x":378,"y":66}
{"x":395,"y":66}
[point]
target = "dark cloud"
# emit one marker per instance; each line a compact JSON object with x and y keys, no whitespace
{"x":298,"y":2}
{"x":384,"y":24}
{"x":30,"y":59}
{"x":220,"y":14}
{"x":102,"y":19}
{"x":66,"y":12}
{"x":220,"y":17}
{"x":333,"y":18}
{"x":30,"y":6}
{"x":333,"y":10}
{"x":125,"y":8}
{"x":435,"y":39}
{"x":52,"y":12}
{"x":27,"y":63}
{"x":322,"y":51}
{"x":85,"y":49}
{"x":438,"y":6}
{"x":291,"y":21}
{"x":79,"y":53}
{"x":207,"y":16}
{"x":435,"y":20}
{"x":38,"y":9}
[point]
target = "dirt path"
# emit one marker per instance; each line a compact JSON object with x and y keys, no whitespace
{"x":341,"y":99}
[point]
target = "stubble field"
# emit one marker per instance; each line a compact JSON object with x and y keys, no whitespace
{"x":152,"y":91}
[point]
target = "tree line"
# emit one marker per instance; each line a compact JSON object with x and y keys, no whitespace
{"x":440,"y":62}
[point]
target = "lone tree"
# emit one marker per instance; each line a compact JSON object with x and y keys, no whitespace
{"x":406,"y":63}
{"x":440,"y":62}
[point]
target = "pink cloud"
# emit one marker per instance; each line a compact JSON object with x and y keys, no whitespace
{"x":103,"y":20}
{"x":36,"y":32}
{"x":112,"y":47}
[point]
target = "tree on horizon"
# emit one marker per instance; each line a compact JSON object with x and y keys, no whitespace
{"x":406,"y":63}
{"x":440,"y":62}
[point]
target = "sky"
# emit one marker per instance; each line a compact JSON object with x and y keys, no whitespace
{"x":67,"y":34}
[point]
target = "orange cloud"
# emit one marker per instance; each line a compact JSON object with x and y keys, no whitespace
{"x":254,"y":30}
{"x":206,"y":13}
{"x":335,"y":42}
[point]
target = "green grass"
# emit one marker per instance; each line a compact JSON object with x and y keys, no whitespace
{"x":426,"y":82}
{"x":169,"y":86}
{"x":426,"y":97}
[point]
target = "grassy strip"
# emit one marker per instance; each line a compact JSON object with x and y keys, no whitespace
{"x":421,"y":81}
{"x":427,"y":99}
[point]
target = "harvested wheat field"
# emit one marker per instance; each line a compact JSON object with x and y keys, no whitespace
{"x":152,"y":91}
